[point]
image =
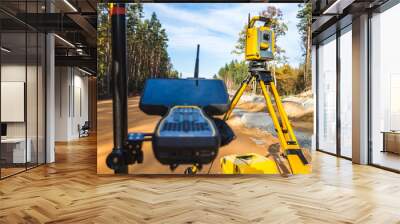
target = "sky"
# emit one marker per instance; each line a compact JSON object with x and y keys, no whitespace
{"x":216,"y":28}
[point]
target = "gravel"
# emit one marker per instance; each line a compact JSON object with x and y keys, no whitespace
{"x":262,"y":121}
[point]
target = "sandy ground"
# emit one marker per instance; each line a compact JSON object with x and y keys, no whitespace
{"x":248,"y":140}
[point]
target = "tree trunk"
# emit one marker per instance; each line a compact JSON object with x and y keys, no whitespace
{"x":308,"y":55}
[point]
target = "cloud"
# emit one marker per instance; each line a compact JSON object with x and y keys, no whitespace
{"x":193,"y":18}
{"x":187,"y":37}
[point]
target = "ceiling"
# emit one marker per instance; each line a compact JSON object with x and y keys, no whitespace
{"x":74,"y":22}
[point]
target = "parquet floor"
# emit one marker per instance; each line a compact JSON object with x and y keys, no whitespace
{"x":70,"y":191}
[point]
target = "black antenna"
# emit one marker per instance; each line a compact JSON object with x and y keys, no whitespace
{"x":196,"y":67}
{"x":248,"y":21}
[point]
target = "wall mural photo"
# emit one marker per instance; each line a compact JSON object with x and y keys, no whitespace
{"x":204,"y":89}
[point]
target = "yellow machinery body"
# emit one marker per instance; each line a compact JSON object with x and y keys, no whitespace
{"x":251,"y":163}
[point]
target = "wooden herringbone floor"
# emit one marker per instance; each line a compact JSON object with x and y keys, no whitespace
{"x":70,"y":191}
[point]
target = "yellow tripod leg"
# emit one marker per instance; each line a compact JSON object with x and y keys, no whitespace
{"x":237,"y":96}
{"x":272,"y":113}
{"x":296,"y":159}
{"x":282,"y":123}
{"x":296,"y":163}
{"x":282,"y":112}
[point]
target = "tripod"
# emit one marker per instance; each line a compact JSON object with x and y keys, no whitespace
{"x":288,"y":142}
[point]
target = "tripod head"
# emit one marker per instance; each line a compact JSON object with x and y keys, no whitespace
{"x":258,"y":69}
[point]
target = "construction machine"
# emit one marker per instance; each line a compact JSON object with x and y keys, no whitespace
{"x":287,"y":157}
{"x":191,"y":129}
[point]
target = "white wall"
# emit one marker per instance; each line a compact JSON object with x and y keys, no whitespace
{"x":80,"y":100}
{"x":33,"y":126}
{"x":62,"y":81}
{"x":71,"y":102}
{"x":12,"y":101}
{"x":13,"y":73}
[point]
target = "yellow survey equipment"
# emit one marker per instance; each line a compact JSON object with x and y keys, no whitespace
{"x":260,"y":41}
{"x":249,"y":163}
{"x":258,"y":52}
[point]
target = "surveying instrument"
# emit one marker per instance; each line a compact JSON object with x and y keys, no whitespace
{"x":259,"y":50}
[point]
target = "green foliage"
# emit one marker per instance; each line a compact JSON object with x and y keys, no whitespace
{"x":233,"y":73}
{"x":289,"y":79}
{"x":241,"y":42}
{"x":277,"y":25}
{"x":147,"y":55}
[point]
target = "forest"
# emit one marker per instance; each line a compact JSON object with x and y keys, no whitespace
{"x":289,"y":80}
{"x":147,"y":44}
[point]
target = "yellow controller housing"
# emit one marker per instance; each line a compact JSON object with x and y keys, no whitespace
{"x":250,"y":163}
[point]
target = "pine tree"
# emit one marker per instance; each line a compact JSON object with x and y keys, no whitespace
{"x":147,"y":55}
{"x":304,"y":27}
{"x":103,"y":51}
